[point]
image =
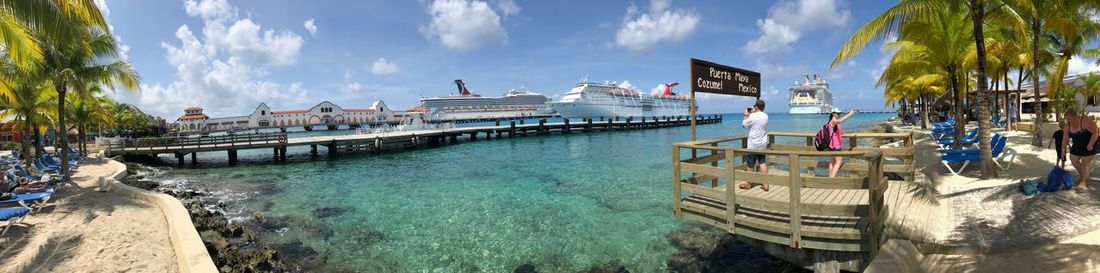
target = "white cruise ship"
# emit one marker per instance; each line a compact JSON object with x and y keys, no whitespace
{"x":811,"y":96}
{"x":467,"y":105}
{"x":590,"y":100}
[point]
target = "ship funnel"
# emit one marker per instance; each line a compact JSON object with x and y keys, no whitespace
{"x":462,"y":88}
{"x":668,"y":88}
{"x":805,"y":78}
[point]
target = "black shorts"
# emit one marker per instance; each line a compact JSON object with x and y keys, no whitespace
{"x":753,"y":160}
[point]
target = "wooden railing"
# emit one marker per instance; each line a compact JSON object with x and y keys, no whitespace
{"x":844,"y":213}
{"x":898,"y":157}
{"x":199,"y":142}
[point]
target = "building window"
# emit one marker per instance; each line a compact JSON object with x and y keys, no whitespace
{"x":262,"y":112}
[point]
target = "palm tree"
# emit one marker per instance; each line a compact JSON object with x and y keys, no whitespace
{"x":30,"y":103}
{"x":22,"y":20}
{"x":91,"y":60}
{"x":1068,"y":36}
{"x":87,"y":111}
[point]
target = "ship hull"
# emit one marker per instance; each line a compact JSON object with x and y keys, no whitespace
{"x":808,"y":110}
{"x":583,"y":110}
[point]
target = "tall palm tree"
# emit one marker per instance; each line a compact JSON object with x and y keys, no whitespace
{"x":91,"y":60}
{"x":1068,"y":34}
{"x":86,"y":111}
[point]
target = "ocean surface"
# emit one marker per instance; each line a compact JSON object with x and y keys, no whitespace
{"x":562,"y":203}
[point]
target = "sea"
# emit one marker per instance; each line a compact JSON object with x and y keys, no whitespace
{"x":561,"y":203}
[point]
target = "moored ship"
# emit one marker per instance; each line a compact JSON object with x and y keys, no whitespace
{"x":590,"y":100}
{"x":811,"y":96}
{"x":467,"y":105}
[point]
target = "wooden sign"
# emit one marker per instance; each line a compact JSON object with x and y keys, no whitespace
{"x":708,"y":77}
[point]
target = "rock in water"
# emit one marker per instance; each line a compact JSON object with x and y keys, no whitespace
{"x":612,"y":267}
{"x":525,"y":268}
{"x":326,"y":212}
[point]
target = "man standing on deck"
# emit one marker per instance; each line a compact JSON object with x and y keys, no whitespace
{"x":757,"y":122}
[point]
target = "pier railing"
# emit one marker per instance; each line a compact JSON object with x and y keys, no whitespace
{"x":199,"y":142}
{"x":896,"y":149}
{"x":803,"y":209}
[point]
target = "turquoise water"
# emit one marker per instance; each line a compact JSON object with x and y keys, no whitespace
{"x":563,"y":203}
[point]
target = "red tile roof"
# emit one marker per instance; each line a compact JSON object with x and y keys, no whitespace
{"x":192,"y":117}
{"x":193,"y":108}
{"x":419,"y":109}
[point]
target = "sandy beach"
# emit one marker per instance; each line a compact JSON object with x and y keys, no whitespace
{"x":89,"y":231}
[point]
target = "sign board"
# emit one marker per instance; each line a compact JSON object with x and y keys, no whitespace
{"x":708,"y":77}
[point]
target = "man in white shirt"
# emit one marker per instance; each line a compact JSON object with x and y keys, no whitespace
{"x":757,"y":122}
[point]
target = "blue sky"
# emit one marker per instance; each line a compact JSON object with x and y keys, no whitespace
{"x":228,"y":56}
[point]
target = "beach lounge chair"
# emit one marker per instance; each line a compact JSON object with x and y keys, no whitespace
{"x":35,"y":200}
{"x":969,"y":139}
{"x":965,"y":156}
{"x":13,"y":216}
{"x":941,"y":133}
{"x":944,"y":124}
{"x":43,"y":168}
{"x":51,"y":162}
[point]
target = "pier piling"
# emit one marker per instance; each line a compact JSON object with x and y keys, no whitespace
{"x":232,"y":156}
{"x":194,"y":158}
{"x":512,"y":130}
{"x":313,"y":150}
{"x":566,"y":128}
{"x":179,"y":157}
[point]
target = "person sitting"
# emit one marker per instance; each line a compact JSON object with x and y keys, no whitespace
{"x":21,"y":184}
{"x":1079,"y":133}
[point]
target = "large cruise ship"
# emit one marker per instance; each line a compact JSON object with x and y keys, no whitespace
{"x":811,"y":96}
{"x":467,"y":105}
{"x":590,"y":100}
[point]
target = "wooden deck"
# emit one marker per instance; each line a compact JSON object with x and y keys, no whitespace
{"x":844,"y":216}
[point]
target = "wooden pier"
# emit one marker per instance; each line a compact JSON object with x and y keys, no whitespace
{"x":181,"y":147}
{"x":825,"y":223}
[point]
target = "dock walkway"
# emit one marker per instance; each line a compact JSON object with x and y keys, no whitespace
{"x":278,"y":142}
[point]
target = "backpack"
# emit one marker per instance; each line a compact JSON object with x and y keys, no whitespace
{"x":822,"y":138}
{"x":1030,"y":187}
{"x":1057,"y":179}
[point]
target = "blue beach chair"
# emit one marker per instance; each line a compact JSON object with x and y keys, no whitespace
{"x":35,"y":200}
{"x":970,"y":139}
{"x":13,"y":216}
{"x":965,"y":156}
{"x":43,"y":168}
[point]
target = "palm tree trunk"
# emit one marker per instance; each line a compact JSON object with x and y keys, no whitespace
{"x":977,"y":14}
{"x":1037,"y":138}
{"x":26,"y":149}
{"x":62,"y":133}
{"x":924,"y":111}
{"x":960,"y":121}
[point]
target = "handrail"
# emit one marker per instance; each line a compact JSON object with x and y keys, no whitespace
{"x":719,"y":163}
{"x":199,"y":142}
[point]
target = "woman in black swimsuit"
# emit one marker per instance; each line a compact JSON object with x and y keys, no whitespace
{"x":1082,"y":132}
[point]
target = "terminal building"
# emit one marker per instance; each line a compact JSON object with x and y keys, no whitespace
{"x":323,"y":114}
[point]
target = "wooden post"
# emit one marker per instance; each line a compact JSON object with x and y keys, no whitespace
{"x":566,"y":129}
{"x":232,"y":156}
{"x":542,"y":122}
{"x":282,"y":153}
{"x":512,"y":130}
{"x":194,"y":158}
{"x":731,"y":194}
{"x":795,"y":200}
{"x":276,"y":152}
{"x":875,"y":200}
{"x":332,"y":149}
{"x":473,"y":136}
{"x":691,"y":108}
{"x":676,"y":195}
{"x":179,"y":157}
{"x":588,"y":127}
{"x":313,"y":150}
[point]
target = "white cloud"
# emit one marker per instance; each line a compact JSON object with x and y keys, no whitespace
{"x":1078,"y":65}
{"x":508,"y":7}
{"x":310,"y":26}
{"x":350,"y":84}
{"x":464,"y":24}
{"x":102,"y":4}
{"x":224,"y":70}
{"x":641,"y":31}
{"x":787,"y":22}
{"x":382,"y":67}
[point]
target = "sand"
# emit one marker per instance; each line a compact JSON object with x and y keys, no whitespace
{"x":1077,"y":254}
{"x":90,"y":231}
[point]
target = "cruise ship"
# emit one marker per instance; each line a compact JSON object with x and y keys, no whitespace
{"x":608,"y":99}
{"x":467,"y":105}
{"x":811,"y":96}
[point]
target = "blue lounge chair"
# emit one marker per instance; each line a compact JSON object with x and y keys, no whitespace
{"x":51,"y":162}
{"x":43,"y":168}
{"x":965,"y":156}
{"x":969,"y":139}
{"x":35,"y":200}
{"x":13,"y":216}
{"x":944,"y":124}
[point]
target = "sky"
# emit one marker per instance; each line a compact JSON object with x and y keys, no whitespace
{"x":230,"y":56}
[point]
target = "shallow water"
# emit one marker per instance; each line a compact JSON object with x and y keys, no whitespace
{"x":562,"y":203}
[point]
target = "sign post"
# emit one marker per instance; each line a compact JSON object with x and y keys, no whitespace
{"x":708,"y":77}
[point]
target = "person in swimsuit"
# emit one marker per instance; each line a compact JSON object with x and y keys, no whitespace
{"x":1082,"y":132}
{"x":836,"y":139}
